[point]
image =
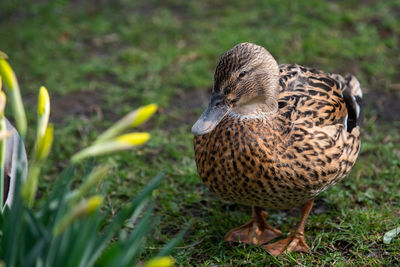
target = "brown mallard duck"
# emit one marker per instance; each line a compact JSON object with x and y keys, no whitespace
{"x":275,"y":137}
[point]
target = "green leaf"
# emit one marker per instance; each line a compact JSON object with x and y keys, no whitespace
{"x":85,"y":233}
{"x":109,"y":255}
{"x":134,"y":244}
{"x":124,"y":214}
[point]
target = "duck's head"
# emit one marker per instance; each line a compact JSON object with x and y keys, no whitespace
{"x":245,"y":83}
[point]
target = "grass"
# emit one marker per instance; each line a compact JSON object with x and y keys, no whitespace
{"x":101,"y":60}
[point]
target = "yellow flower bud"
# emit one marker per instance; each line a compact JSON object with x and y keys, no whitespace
{"x":143,"y":114}
{"x":132,"y":119}
{"x":43,"y":101}
{"x":123,"y":142}
{"x":3,"y":100}
{"x":44,"y":143}
{"x":10,"y":80}
{"x":133,"y":138}
{"x":93,"y":204}
{"x":160,"y":262}
{"x":43,"y":110}
{"x":85,"y":208}
{"x":8,"y":74}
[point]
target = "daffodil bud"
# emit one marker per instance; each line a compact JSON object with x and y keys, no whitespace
{"x":160,"y":262}
{"x":132,"y":119}
{"x":10,"y":80}
{"x":44,"y":143}
{"x":92,"y":205}
{"x":3,"y":100}
{"x":134,"y":139}
{"x":123,"y":142}
{"x":143,"y":114}
{"x":43,"y":111}
{"x":85,"y":208}
{"x":43,"y":101}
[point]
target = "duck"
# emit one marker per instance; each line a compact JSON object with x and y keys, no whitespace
{"x":274,"y":137}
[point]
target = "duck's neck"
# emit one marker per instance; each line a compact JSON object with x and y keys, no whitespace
{"x":260,"y":107}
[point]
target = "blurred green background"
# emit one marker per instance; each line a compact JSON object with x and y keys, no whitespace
{"x":101,"y":59}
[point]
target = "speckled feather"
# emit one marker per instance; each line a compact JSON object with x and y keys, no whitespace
{"x":289,"y":158}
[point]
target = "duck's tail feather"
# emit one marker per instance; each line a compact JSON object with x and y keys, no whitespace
{"x":352,"y":95}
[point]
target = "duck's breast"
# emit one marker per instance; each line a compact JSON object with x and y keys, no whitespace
{"x":240,"y":162}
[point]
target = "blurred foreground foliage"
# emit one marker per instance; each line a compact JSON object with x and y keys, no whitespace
{"x":67,"y":228}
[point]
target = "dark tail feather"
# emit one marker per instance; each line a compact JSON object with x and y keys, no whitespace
{"x":352,"y":95}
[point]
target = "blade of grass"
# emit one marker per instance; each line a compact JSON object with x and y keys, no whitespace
{"x":132,"y":246}
{"x":167,"y":249}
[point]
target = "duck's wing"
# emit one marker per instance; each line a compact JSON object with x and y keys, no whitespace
{"x":315,"y":98}
{"x":324,"y":113}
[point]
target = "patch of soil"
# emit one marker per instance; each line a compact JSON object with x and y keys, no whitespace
{"x":320,"y":206}
{"x":179,"y":10}
{"x":183,"y":107}
{"x":191,"y":99}
{"x":379,"y":251}
{"x":75,"y":104}
{"x":195,"y":209}
{"x":386,"y":104}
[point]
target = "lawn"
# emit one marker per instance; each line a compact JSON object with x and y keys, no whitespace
{"x":101,"y":59}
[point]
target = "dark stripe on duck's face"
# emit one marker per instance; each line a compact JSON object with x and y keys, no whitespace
{"x":212,"y":116}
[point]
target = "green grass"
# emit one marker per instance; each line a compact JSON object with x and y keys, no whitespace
{"x":101,"y":60}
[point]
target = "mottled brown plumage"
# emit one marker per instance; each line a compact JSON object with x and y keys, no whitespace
{"x":282,"y":135}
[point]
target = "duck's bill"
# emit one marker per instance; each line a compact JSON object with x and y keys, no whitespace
{"x":213,"y":115}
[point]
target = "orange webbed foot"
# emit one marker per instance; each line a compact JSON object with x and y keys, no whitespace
{"x":294,"y":242}
{"x":254,"y":232}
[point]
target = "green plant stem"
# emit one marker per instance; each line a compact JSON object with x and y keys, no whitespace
{"x":29,"y":188}
{"x":93,"y":180}
{"x":2,"y":159}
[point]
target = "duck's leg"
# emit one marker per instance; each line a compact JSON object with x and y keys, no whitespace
{"x":295,"y":242}
{"x":254,"y":232}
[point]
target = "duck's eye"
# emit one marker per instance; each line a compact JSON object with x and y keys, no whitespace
{"x":242,"y":74}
